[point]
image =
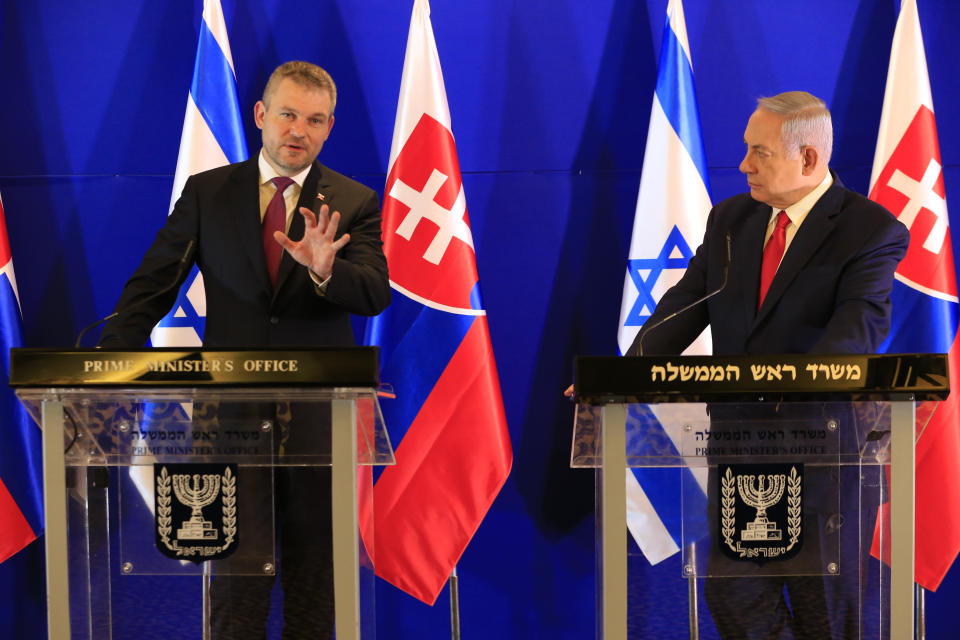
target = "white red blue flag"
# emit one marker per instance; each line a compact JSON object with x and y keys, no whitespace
{"x":212,"y":137}
{"x":672,"y":208}
{"x":907,"y":179}
{"x":21,"y":467}
{"x":454,"y":451}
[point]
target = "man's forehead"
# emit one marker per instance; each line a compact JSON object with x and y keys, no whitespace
{"x":763,"y":129}
{"x":289,"y":91}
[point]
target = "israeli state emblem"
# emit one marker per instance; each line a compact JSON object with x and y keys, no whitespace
{"x":761,"y":511}
{"x":196,"y":510}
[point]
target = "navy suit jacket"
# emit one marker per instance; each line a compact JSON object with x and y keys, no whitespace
{"x":220,"y":208}
{"x":831,"y":293}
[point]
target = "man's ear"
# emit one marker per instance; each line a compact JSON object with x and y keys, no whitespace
{"x":810,"y":159}
{"x":259,"y":111}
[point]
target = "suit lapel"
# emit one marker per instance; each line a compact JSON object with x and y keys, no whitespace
{"x":242,"y":206}
{"x":747,"y":257}
{"x":316,"y":183}
{"x":811,"y":234}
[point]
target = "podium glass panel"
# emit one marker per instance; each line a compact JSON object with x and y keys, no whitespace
{"x":141,"y":525}
{"x":774,"y":504}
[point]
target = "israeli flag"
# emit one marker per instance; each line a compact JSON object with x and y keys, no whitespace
{"x":212,"y":137}
{"x":671,"y":215}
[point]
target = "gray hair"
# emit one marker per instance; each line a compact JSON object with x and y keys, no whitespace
{"x":806,"y":122}
{"x":306,"y":75}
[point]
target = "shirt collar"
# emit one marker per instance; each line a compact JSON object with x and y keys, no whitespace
{"x":798,"y":211}
{"x":267,"y":172}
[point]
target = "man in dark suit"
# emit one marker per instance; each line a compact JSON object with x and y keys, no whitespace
{"x":811,"y":269}
{"x":276,"y":275}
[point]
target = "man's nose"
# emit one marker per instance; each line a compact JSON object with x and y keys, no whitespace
{"x":745,"y":166}
{"x":296,"y":128}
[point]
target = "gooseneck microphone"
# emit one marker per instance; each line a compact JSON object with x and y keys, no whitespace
{"x":182,"y":266}
{"x":723,"y":285}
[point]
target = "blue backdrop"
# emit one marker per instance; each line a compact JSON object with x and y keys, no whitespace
{"x":550,"y":101}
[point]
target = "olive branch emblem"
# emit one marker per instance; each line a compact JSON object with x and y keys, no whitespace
{"x":727,"y":500}
{"x":793,"y":507}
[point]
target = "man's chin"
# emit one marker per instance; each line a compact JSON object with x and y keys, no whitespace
{"x":758,"y":194}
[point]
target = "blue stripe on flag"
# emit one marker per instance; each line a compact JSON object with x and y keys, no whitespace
{"x":679,"y":99}
{"x":416,"y":344}
{"x":214,"y":91}
{"x":672,"y":492}
{"x":20,"y":450}
{"x":920,"y":323}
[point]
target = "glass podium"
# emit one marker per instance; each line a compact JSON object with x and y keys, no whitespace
{"x":165,"y":469}
{"x":766,"y":475}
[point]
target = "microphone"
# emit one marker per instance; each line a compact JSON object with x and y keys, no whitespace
{"x":185,"y":261}
{"x":723,"y":285}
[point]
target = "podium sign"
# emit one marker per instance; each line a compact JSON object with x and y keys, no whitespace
{"x":775,"y":465}
{"x":160,"y":468}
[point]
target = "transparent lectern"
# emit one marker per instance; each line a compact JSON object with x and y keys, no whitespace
{"x":163,"y":469}
{"x":769,"y":474}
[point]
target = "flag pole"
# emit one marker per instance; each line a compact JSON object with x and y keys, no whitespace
{"x":454,"y":605}
{"x":921,"y":613}
{"x":692,"y":605}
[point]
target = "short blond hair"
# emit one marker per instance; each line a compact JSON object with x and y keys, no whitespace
{"x":305,"y":74}
{"x":806,"y":122}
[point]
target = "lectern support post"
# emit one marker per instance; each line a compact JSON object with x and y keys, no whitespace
{"x":902,"y":514}
{"x":346,"y":581}
{"x":55,"y":530}
{"x":614,"y":521}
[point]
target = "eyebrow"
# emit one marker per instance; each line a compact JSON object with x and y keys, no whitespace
{"x":757,"y":147}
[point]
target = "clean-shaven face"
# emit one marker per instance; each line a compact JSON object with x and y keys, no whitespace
{"x":295,"y":125}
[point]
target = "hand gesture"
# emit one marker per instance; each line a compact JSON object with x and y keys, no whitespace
{"x":318,"y":248}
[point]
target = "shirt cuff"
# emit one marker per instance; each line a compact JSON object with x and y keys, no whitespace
{"x":320,"y":284}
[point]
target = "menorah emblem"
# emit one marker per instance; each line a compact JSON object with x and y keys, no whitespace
{"x":761,"y":491}
{"x":202,"y":492}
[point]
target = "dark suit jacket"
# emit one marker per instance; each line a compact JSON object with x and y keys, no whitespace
{"x":220,"y":208}
{"x":831,"y":293}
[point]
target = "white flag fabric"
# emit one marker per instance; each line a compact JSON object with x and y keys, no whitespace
{"x":907,"y":179}
{"x":212,"y":137}
{"x":672,"y":208}
{"x":453,"y":453}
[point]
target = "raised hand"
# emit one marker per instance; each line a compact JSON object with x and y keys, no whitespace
{"x":318,"y":248}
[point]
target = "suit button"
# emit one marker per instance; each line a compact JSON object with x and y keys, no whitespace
{"x":274,"y":320}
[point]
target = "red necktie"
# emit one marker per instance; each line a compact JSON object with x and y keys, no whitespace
{"x":772,"y":253}
{"x":275,"y":219}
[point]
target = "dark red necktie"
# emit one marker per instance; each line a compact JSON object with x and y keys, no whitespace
{"x":275,"y":219}
{"x":772,"y":253}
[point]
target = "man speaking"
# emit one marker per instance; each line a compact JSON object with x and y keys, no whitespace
{"x":798,"y":265}
{"x":276,"y":275}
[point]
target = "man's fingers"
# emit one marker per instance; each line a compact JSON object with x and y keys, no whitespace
{"x":331,"y":229}
{"x":283,"y":240}
{"x":341,"y":242}
{"x":309,"y":219}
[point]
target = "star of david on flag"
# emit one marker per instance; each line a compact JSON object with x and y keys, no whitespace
{"x":907,"y":179}
{"x":454,"y":451}
{"x":646,"y":272}
{"x":672,"y":207}
{"x":212,"y":137}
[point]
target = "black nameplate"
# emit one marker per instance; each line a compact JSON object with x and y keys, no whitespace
{"x":740,"y":378}
{"x":177,"y":367}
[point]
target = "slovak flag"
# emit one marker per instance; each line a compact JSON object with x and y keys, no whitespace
{"x":21,"y":467}
{"x":454,"y":451}
{"x":672,"y":208}
{"x":907,"y":179}
{"x":212,"y":137}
